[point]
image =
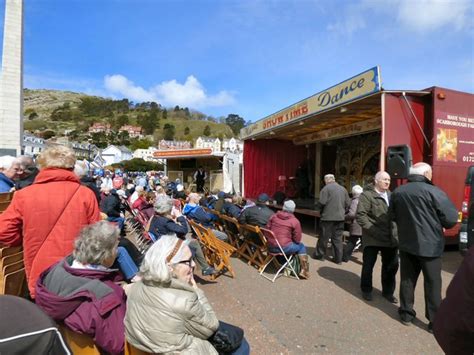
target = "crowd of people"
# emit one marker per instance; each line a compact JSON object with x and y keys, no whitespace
{"x":82,"y":269}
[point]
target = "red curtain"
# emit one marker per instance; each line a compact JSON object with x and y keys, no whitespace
{"x":266,"y":160}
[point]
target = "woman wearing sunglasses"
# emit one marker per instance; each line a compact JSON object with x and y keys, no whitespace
{"x":166,"y":311}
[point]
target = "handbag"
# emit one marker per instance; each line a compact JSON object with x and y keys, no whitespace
{"x":227,"y":338}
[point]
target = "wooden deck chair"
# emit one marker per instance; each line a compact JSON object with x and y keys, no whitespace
{"x":254,"y":246}
{"x":5,"y":199}
{"x":13,"y":283}
{"x":7,"y":269}
{"x":274,"y":259}
{"x":79,"y":343}
{"x":216,"y":251}
{"x":5,"y":251}
{"x":217,"y":221}
{"x":131,"y":350}
{"x":232,"y":229}
{"x":10,"y":259}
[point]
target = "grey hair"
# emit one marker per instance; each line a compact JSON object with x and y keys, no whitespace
{"x":154,"y":268}
{"x":57,"y":156}
{"x":96,"y":243}
{"x":26,"y":161}
{"x":6,"y":162}
{"x":329,"y":178}
{"x":357,"y":190}
{"x":420,"y":168}
{"x":163,"y":205}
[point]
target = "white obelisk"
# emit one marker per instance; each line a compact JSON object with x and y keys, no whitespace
{"x":11,"y":80}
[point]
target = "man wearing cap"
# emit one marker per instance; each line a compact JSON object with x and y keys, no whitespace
{"x":333,"y":202}
{"x":257,"y":215}
{"x":287,"y":230}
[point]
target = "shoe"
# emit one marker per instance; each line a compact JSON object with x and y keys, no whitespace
{"x":430,"y":327}
{"x":304,"y":274}
{"x":208,"y":271}
{"x":367,"y":296}
{"x":391,"y":298}
{"x":406,"y":320}
{"x":317,"y":257}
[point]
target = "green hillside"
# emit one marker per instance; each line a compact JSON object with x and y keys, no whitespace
{"x":54,"y":113}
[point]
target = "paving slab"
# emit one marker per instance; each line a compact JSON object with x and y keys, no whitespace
{"x":324,"y":314}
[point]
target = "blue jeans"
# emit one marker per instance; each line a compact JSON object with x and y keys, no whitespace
{"x":243,"y":349}
{"x":290,"y":249}
{"x":126,"y":264}
{"x":119,"y":220}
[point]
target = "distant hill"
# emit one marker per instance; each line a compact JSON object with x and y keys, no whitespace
{"x":54,"y":113}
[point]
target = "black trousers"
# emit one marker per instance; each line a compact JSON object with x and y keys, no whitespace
{"x":330,"y":230}
{"x":389,"y":268}
{"x":200,"y":185}
{"x":410,"y":267}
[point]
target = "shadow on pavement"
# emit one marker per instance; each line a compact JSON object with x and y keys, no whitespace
{"x":349,"y":282}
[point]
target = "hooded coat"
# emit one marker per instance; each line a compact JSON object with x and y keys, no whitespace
{"x":47,"y":216}
{"x":87,"y":300}
{"x":174,"y":319}
{"x":286,"y":228}
{"x":198,"y":214}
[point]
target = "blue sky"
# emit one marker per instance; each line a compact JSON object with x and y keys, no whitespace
{"x":249,"y":57}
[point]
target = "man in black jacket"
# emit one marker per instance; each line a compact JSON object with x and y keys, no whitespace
{"x":421,"y":211}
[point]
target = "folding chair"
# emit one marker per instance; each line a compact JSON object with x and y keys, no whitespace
{"x":274,"y":258}
{"x":5,"y":200}
{"x":232,"y":228}
{"x":5,"y":251}
{"x":13,"y":283}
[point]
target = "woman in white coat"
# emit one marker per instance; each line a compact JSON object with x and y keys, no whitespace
{"x":166,"y":311}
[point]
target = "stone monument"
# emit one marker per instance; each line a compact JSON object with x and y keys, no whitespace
{"x":11,"y":80}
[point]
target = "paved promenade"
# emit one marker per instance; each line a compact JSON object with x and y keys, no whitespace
{"x":325,"y":314}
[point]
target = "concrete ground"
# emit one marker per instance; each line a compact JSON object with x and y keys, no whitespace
{"x":324,"y":314}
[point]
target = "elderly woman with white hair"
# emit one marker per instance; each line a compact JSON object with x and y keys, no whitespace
{"x":168,"y":220}
{"x":166,"y":311}
{"x":82,"y":291}
{"x":355,"y":230}
{"x":47,"y":215}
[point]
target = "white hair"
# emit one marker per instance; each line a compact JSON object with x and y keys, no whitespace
{"x":329,"y":178}
{"x":163,"y":205}
{"x":154,"y":268}
{"x":420,"y":168}
{"x":81,"y":169}
{"x":96,"y":243}
{"x":6,"y":162}
{"x":380,"y":174}
{"x":357,"y":190}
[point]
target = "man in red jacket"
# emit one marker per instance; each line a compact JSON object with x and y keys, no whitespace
{"x":287,"y":230}
{"x":48,"y":215}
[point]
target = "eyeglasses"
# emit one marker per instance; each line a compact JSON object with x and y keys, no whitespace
{"x":186,"y":262}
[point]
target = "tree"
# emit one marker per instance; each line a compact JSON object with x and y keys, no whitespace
{"x":207,"y":131}
{"x":176,"y":108}
{"x":186,"y":131}
{"x":235,"y":122}
{"x":168,"y":132}
{"x":149,"y":123}
{"x":164,"y":114}
{"x":122,"y":120}
{"x":141,"y":144}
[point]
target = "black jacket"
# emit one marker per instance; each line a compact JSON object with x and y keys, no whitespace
{"x":231,"y":209}
{"x":111,"y":204}
{"x":91,"y":184}
{"x":27,"y":181}
{"x":161,"y":225}
{"x":421,"y":211}
{"x":257,"y":215}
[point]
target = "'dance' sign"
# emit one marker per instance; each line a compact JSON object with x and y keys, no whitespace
{"x":354,"y":88}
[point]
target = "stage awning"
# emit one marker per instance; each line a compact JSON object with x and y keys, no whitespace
{"x":187,"y":154}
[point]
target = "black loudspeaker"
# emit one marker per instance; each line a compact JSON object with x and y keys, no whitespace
{"x":399,"y":161}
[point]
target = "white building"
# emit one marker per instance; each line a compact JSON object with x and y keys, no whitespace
{"x":115,"y":154}
{"x":213,"y":143}
{"x":146,"y":154}
{"x":232,"y":145}
{"x":32,"y":145}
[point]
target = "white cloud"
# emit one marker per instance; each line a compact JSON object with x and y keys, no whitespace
{"x":428,"y":15}
{"x":169,"y":93}
{"x":351,"y":22}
